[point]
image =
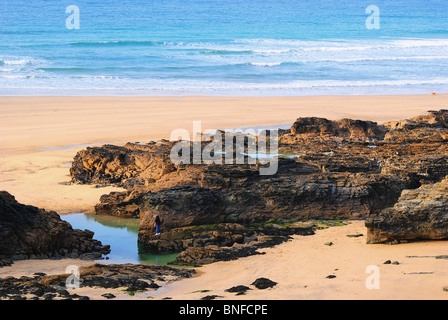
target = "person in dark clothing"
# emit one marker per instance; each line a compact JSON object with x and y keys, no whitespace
{"x":157,"y":224}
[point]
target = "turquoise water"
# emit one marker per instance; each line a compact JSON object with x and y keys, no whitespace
{"x":120,"y":234}
{"x":223,"y":47}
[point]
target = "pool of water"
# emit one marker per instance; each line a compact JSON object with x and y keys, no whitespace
{"x":121,"y":234}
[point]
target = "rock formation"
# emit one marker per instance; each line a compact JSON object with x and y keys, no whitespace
{"x":419,"y":214}
{"x":354,"y":130}
{"x":28,"y":232}
{"x":128,"y":277}
{"x":219,"y":242}
{"x":127,"y":165}
{"x":327,"y":169}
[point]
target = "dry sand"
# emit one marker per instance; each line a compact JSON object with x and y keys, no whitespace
{"x":39,"y":177}
{"x":300,"y":267}
{"x":28,"y":123}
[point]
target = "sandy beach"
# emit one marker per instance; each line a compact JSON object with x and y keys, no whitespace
{"x":300,"y":267}
{"x":41,"y":135}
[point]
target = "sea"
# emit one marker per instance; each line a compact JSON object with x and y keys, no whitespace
{"x":223,"y":47}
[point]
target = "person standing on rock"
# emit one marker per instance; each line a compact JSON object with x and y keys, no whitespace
{"x":157,"y":224}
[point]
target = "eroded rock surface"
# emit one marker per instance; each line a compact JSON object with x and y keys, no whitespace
{"x":420,"y":214}
{"x":326,"y":169}
{"x":127,"y":277}
{"x":354,"y":130}
{"x":28,"y":232}
{"x":220,"y":242}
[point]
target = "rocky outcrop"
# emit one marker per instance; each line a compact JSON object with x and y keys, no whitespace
{"x":27,"y":232}
{"x":434,"y":119}
{"x":330,"y":196}
{"x":355,"y":130}
{"x":420,"y":214}
{"x":219,"y":242}
{"x":120,"y":204}
{"x":432,"y":127}
{"x":326,"y":169}
{"x":127,"y":277}
{"x":116,"y":165}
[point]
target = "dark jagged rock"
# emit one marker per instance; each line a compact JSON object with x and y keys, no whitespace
{"x":434,"y":119}
{"x":355,"y":130}
{"x":28,"y":232}
{"x":420,"y":214}
{"x":238,"y":289}
{"x":198,"y":256}
{"x":121,"y":204}
{"x":128,"y":276}
{"x":31,"y":288}
{"x":183,"y":206}
{"x":264,"y":283}
{"x":108,"y":295}
{"x":223,"y":242}
{"x":330,"y":196}
{"x":432,"y":127}
{"x":134,"y":277}
{"x":114,"y":164}
{"x":211,"y":297}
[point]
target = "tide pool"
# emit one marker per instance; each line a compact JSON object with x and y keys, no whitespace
{"x":120,"y":234}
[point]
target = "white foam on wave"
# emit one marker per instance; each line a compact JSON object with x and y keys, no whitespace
{"x":418,"y":43}
{"x":376,"y":58}
{"x":172,"y":87}
{"x":20,"y":61}
{"x":338,"y":51}
{"x":265,"y":64}
{"x":326,"y":59}
{"x":346,"y":44}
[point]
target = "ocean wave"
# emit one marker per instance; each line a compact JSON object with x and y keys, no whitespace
{"x":375,"y":59}
{"x":274,"y":47}
{"x":257,"y":65}
{"x":226,"y":52}
{"x":265,"y":64}
{"x":15,"y":76}
{"x":270,"y":51}
{"x":300,"y":85}
{"x":418,"y":43}
{"x":114,"y":83}
{"x":121,"y":43}
{"x":341,"y":45}
{"x":302,"y":61}
{"x":19,"y":61}
{"x":65,"y":69}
